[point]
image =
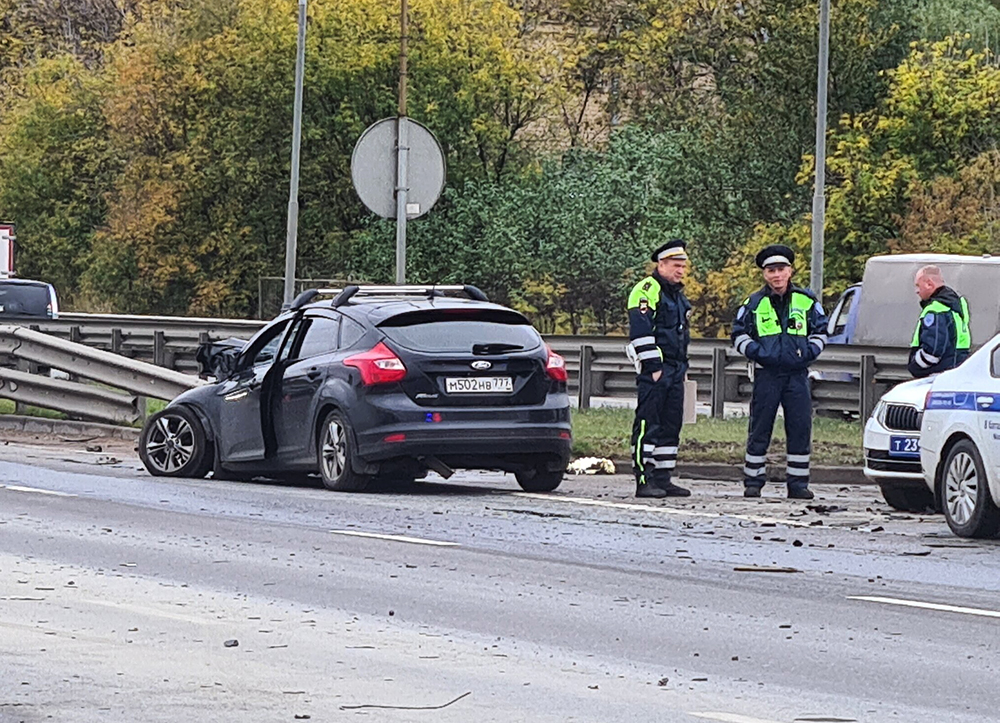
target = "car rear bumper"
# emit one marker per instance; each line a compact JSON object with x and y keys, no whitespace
{"x":471,"y":446}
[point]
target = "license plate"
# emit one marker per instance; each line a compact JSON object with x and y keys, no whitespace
{"x":904,"y":447}
{"x":479,"y":385}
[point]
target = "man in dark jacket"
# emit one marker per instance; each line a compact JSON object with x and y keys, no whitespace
{"x":941,"y":340}
{"x":781,"y":329}
{"x":658,"y":328}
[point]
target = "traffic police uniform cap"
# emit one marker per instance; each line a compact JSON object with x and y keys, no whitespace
{"x":775,"y":255}
{"x":674,"y":249}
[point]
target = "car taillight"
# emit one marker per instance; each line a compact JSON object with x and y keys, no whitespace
{"x":377,"y":366}
{"x":555,"y":367}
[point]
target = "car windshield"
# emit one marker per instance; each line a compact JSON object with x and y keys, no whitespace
{"x":462,"y":330}
{"x":24,"y":300}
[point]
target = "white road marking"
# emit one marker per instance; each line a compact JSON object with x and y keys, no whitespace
{"x":729,"y":717}
{"x":927,"y":606}
{"x":18,"y":488}
{"x":395,"y":538}
{"x":659,"y":510}
{"x":153,"y":612}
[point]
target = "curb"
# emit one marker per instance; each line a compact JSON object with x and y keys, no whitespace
{"x":823,"y":475}
{"x":41,"y":425}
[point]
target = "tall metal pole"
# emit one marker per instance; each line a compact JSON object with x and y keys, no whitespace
{"x":291,"y":239}
{"x":819,"y":195}
{"x":402,"y":148}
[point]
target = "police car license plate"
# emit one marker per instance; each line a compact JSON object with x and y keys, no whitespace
{"x":478,"y":385}
{"x":907,"y":447}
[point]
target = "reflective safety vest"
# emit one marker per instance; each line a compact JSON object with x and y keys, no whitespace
{"x":963,"y":337}
{"x":768,"y":323}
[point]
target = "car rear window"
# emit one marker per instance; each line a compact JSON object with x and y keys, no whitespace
{"x":462,"y":330}
{"x":24,"y":299}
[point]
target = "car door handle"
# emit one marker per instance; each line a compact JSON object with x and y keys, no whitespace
{"x":313,"y":373}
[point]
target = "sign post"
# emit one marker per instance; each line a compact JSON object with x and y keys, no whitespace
{"x":8,"y":242}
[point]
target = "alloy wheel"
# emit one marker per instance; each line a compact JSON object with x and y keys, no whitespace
{"x":170,"y":444}
{"x":334,"y":450}
{"x":961,"y":488}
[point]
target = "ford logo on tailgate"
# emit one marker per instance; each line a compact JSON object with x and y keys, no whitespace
{"x":482,"y":365}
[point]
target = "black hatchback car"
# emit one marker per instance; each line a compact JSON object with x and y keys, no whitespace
{"x":379,"y":383}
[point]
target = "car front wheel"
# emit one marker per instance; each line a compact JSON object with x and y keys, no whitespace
{"x":968,"y":505}
{"x":173,"y":444}
{"x":336,"y":452}
{"x":907,"y":496}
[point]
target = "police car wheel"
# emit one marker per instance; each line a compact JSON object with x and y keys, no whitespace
{"x":968,"y":506}
{"x":335,"y":453}
{"x":539,"y":480}
{"x":173,"y":444}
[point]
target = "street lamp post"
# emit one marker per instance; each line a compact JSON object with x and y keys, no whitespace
{"x":819,"y":195}
{"x":402,"y":147}
{"x":291,"y":238}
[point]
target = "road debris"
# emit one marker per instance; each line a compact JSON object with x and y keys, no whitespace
{"x":764,"y":568}
{"x":591,"y":465}
{"x":231,"y":643}
{"x":405,"y":707}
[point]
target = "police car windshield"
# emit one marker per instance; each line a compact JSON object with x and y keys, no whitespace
{"x":482,"y":331}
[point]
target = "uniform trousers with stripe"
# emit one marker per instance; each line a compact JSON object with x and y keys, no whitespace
{"x":656,"y":431}
{"x":790,"y":390}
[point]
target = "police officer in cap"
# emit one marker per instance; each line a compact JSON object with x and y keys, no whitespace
{"x":781,"y":329}
{"x":658,"y":328}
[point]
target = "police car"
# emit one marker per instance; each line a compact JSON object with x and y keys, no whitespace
{"x":960,"y":443}
{"x":892,"y":447}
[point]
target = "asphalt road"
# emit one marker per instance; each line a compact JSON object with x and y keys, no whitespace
{"x":118,"y":593}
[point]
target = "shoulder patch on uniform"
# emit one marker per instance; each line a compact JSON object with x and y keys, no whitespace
{"x":929,"y":320}
{"x":643,"y":305}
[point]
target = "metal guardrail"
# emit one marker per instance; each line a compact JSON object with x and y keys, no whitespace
{"x":851,"y":378}
{"x":36,"y":349}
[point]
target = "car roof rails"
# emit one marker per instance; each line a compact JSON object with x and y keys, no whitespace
{"x":354,"y":291}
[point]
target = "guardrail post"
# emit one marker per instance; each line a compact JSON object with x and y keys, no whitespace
{"x":116,"y":341}
{"x":586,"y":376}
{"x":868,"y":395}
{"x":159,"y":348}
{"x":718,"y":383}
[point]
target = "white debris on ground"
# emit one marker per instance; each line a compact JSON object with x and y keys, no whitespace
{"x":591,"y":465}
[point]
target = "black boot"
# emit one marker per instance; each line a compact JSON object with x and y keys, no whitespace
{"x":800,"y":493}
{"x":672,"y":490}
{"x":648,"y":489}
{"x":751,"y":491}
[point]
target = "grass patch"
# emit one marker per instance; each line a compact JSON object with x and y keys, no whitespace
{"x":7,"y":407}
{"x":605,"y":432}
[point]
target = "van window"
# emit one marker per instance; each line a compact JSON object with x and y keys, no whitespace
{"x":995,"y":363}
{"x":20,"y":299}
{"x":843,"y":313}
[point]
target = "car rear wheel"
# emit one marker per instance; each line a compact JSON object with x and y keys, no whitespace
{"x":968,"y":505}
{"x":336,"y":453}
{"x":539,"y":480}
{"x":907,"y":496}
{"x":173,"y":444}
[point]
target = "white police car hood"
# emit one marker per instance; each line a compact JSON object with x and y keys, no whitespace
{"x":911,"y":393}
